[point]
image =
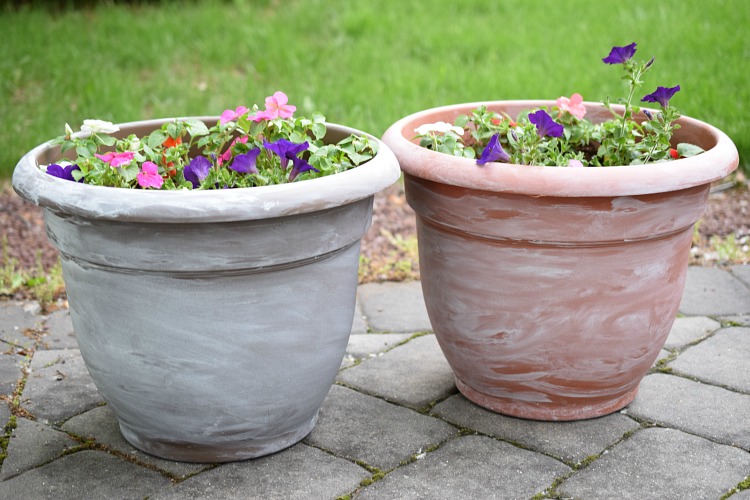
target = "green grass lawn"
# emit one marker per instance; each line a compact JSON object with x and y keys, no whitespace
{"x":363,"y":64}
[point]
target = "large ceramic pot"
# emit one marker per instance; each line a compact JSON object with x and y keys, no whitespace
{"x":212,"y":322}
{"x":552,"y":290}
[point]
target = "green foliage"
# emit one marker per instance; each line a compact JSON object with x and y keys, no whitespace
{"x":621,"y":140}
{"x":365,"y":63}
{"x":170,"y":151}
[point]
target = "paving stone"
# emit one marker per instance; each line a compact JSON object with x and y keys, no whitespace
{"x":371,"y":430}
{"x":299,"y":472}
{"x":660,"y":463}
{"x":690,"y":329}
{"x":705,"y":410}
{"x":59,"y":386}
{"x":10,"y":371}
{"x":470,"y":467}
{"x":59,"y":333}
{"x":414,"y":374}
{"x":741,"y":495}
{"x":359,"y":324}
{"x":710,"y":291}
{"x":101,"y":425}
{"x":720,"y":360}
{"x":86,"y":474}
{"x":32,"y":444}
{"x":15,"y":318}
{"x":4,"y":415}
{"x":742,"y":273}
{"x":394,"y":307}
{"x":370,"y":345}
{"x":571,"y":442}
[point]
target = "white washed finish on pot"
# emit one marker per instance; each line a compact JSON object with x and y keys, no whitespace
{"x":212,"y":322}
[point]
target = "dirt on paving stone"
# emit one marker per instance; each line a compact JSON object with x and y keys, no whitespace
{"x":389,"y":249}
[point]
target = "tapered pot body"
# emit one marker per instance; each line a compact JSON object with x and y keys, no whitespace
{"x":552,"y":290}
{"x":212,"y":323}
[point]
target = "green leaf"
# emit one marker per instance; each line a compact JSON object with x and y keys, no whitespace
{"x":129,"y":172}
{"x":686,"y":149}
{"x":196,"y":128}
{"x":156,"y":139}
{"x":319,"y":130}
{"x":84,"y":152}
{"x":108,"y":140}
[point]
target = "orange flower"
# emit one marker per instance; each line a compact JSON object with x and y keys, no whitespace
{"x":169,"y":167}
{"x":170,"y":143}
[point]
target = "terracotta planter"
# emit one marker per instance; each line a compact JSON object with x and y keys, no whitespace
{"x":552,"y":290}
{"x":212,"y":322}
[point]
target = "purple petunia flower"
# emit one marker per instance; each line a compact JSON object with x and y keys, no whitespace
{"x":286,"y":150}
{"x":662,"y":95}
{"x":545,"y":125}
{"x":619,"y":55}
{"x":300,"y":166}
{"x":648,"y":114}
{"x":65,"y":172}
{"x":493,"y":152}
{"x":197,"y":170}
{"x":245,"y":163}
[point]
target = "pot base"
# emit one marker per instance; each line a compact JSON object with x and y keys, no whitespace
{"x":570,"y":409}
{"x":213,"y":451}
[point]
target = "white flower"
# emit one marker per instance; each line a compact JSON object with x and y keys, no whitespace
{"x":99,"y":127}
{"x":440,"y":127}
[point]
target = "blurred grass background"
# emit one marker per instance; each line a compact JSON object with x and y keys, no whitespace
{"x":363,"y":64}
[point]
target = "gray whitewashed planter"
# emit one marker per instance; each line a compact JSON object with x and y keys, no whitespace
{"x":212,"y":322}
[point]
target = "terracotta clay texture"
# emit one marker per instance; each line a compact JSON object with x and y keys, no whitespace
{"x":552,"y":290}
{"x":212,"y":322}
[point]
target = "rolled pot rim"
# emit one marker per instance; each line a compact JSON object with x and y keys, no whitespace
{"x":719,"y":159}
{"x":221,"y":205}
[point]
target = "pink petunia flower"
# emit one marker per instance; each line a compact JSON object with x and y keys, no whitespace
{"x":277,"y":104}
{"x":575,"y":163}
{"x":574,"y":105}
{"x":276,"y":107}
{"x":149,"y":176}
{"x":229,"y":115}
{"x":116,"y":159}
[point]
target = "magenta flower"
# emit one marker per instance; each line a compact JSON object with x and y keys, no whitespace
{"x":545,"y":125}
{"x":662,"y":95}
{"x":493,"y":152}
{"x":245,"y":163}
{"x":65,"y":172}
{"x":229,"y":115}
{"x":619,"y":55}
{"x":116,"y":159}
{"x":227,"y":155}
{"x":149,"y":176}
{"x":197,"y":170}
{"x":286,"y":150}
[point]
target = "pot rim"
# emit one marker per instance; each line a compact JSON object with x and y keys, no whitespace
{"x":183,"y":206}
{"x":719,"y":160}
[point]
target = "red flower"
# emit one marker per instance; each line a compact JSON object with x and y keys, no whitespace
{"x":673,"y":153}
{"x":170,"y":143}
